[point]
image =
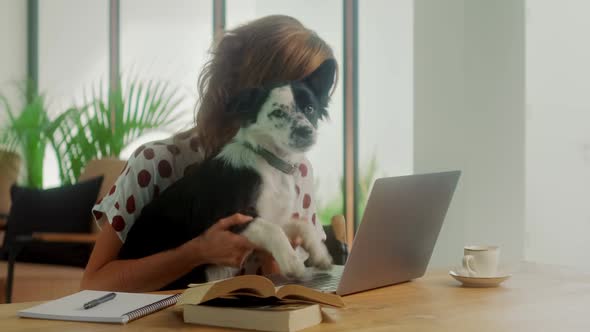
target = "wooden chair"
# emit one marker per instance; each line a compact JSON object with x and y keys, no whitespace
{"x":110,"y":170}
{"x":337,"y":239}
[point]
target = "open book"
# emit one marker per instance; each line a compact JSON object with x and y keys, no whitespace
{"x":255,"y":286}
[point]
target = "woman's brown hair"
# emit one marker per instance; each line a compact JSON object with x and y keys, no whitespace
{"x":271,"y":49}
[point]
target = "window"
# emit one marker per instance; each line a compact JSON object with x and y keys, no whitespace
{"x":385,"y":114}
{"x":166,"y":41}
{"x":325,"y":18}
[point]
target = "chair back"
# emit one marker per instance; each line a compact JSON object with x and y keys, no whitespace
{"x":110,"y":169}
{"x":336,"y":239}
{"x":9,"y":169}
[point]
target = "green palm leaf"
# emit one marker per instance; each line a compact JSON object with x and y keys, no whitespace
{"x":137,"y":109}
{"x":28,"y":132}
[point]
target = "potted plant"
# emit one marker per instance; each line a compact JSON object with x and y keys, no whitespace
{"x":28,"y":133}
{"x":107,"y":122}
{"x":10,"y":163}
{"x":335,"y":206}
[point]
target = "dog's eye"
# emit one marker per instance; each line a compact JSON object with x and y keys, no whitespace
{"x":308,"y":109}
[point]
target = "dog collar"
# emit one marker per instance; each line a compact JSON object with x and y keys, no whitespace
{"x":273,"y":160}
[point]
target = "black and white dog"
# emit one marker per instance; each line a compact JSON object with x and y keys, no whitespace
{"x":252,"y":175}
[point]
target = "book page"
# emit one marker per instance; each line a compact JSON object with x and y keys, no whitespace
{"x":298,"y":292}
{"x":243,"y":285}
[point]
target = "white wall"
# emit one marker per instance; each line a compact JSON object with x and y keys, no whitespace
{"x":558,"y":132}
{"x":13,"y":41}
{"x":469,"y":102}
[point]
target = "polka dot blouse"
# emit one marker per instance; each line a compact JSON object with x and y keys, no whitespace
{"x":156,"y":165}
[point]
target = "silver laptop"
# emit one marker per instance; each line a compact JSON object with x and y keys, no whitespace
{"x":396,"y":237}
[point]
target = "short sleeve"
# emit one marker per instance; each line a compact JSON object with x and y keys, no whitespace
{"x":149,"y":170}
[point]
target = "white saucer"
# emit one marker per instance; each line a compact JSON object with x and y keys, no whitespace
{"x":480,"y":282}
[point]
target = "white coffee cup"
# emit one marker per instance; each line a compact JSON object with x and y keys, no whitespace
{"x":481,"y":261}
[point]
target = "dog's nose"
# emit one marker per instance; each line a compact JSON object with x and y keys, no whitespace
{"x":302,"y":131}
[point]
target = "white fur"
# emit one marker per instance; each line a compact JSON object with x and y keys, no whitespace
{"x":311,"y":242}
{"x":265,"y":133}
{"x":272,"y":230}
{"x":271,"y":237}
{"x":218,"y":272}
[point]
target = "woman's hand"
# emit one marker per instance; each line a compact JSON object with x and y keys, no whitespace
{"x":219,"y":246}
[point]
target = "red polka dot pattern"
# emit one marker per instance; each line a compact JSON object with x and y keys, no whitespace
{"x":155,"y":169}
{"x":113,"y":188}
{"x":164,"y":168}
{"x":173,"y":149}
{"x":130,"y":205}
{"x":97,"y":214}
{"x":149,"y":153}
{"x":306,"y":201}
{"x":139,"y":150}
{"x":118,"y":223}
{"x":194,"y":143}
{"x":303,"y":170}
{"x":143,"y":178}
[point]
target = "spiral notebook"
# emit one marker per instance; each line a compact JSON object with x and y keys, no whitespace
{"x":124,"y":308}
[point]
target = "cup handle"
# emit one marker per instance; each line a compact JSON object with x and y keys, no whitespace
{"x":468,"y":265}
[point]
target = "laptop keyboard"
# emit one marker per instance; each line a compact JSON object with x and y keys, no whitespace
{"x":324,"y":281}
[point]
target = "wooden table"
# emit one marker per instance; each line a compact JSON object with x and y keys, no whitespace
{"x":536,"y":298}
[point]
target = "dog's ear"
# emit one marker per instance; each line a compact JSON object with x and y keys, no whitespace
{"x":320,"y":81}
{"x":247,"y":101}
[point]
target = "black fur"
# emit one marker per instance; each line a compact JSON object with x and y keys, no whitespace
{"x":189,"y":207}
{"x":214,"y":189}
{"x":312,"y":91}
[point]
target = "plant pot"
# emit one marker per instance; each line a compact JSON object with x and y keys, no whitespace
{"x":9,"y":168}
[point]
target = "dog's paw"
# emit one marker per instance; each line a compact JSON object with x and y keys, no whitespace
{"x":217,"y":272}
{"x":320,"y":257}
{"x":291,"y":266}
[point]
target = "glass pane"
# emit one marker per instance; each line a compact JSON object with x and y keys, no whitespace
{"x":324,"y":17}
{"x":385,"y":50}
{"x":73,"y":56}
{"x":166,"y":41}
{"x":13,"y":63}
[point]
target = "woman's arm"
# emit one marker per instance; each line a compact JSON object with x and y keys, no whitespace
{"x":105,"y":272}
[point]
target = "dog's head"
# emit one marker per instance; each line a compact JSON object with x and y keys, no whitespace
{"x":285,"y":116}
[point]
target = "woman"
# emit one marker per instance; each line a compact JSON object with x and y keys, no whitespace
{"x":274,"y":48}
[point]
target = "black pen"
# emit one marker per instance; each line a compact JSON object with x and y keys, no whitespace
{"x":100,"y":300}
